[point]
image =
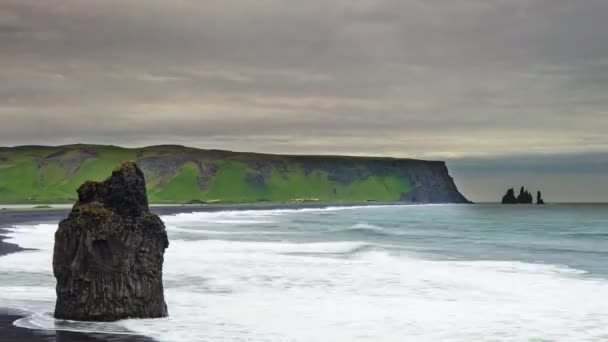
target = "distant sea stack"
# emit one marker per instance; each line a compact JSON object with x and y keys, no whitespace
{"x":539,"y":198}
{"x":108,"y":255}
{"x":524,"y":197}
{"x":509,"y":197}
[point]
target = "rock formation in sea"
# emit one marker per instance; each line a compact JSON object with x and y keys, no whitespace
{"x":524,"y":197}
{"x":539,"y":198}
{"x":509,"y":197}
{"x":108,"y":255}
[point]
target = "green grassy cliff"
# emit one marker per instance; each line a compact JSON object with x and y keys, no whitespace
{"x":177,"y":174}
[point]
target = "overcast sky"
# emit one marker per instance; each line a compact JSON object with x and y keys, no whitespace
{"x":499,"y":88}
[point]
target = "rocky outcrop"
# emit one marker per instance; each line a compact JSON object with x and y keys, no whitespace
{"x":432,"y":183}
{"x":539,"y":198}
{"x":524,"y":197}
{"x":509,"y":197}
{"x":108,"y":255}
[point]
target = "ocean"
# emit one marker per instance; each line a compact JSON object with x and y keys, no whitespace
{"x":453,"y":273}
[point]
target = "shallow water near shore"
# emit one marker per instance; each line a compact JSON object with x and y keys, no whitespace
{"x":450,"y":273}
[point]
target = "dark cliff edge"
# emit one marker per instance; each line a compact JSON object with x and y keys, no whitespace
{"x":435,"y":185}
{"x":109,"y":252}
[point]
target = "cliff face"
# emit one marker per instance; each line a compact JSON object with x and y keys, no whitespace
{"x":435,"y":185}
{"x":178,"y":174}
{"x":108,"y":253}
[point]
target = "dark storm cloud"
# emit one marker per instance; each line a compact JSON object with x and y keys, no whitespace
{"x":432,"y":79}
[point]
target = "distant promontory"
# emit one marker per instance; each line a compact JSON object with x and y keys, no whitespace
{"x":524,"y":197}
{"x":179,"y":174}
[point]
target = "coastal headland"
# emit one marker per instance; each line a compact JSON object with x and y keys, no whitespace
{"x":178,"y":174}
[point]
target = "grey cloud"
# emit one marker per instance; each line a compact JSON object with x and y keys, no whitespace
{"x":447,"y":78}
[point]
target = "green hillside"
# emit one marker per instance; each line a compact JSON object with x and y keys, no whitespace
{"x":177,"y":174}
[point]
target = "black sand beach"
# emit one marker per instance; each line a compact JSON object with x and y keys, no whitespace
{"x":11,"y":333}
{"x":5,"y":247}
{"x":9,"y":218}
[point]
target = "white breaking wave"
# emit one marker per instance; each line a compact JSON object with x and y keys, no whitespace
{"x":32,"y":236}
{"x":260,"y":294}
{"x":256,"y":214}
{"x":39,"y":237}
{"x":46,"y":321}
{"x":367,"y":226}
{"x":222,"y":232}
{"x":364,"y":227}
{"x":346,"y":291}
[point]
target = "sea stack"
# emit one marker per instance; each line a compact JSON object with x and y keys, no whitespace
{"x":524,"y":197}
{"x":509,"y":197}
{"x":539,"y":198}
{"x":108,"y":255}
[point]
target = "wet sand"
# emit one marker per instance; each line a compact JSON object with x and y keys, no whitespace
{"x":9,"y":218}
{"x":11,"y":333}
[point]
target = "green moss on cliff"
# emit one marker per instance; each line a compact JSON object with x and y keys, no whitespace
{"x":182,"y":187}
{"x":178,"y":174}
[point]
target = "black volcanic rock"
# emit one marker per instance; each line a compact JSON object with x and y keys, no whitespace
{"x":431,"y":183}
{"x":539,"y":198}
{"x":509,"y":197}
{"x":524,"y":197}
{"x":108,"y":255}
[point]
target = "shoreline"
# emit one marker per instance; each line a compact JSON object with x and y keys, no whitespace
{"x":11,"y":333}
{"x":10,"y":218}
{"x":20,"y":216}
{"x":7,"y":247}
